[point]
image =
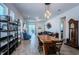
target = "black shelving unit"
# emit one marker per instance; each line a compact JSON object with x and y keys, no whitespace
{"x":8,"y":42}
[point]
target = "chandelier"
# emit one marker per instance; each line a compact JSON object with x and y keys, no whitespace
{"x":47,"y":11}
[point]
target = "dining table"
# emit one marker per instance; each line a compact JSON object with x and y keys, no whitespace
{"x":49,"y":44}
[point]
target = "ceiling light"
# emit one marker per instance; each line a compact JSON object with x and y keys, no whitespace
{"x":47,"y":11}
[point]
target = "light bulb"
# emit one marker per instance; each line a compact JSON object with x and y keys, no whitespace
{"x":48,"y":13}
{"x":47,"y":17}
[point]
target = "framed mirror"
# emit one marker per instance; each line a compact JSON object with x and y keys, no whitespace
{"x":49,"y":26}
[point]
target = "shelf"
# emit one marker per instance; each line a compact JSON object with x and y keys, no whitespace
{"x":13,"y":23}
{"x":8,"y":22}
{"x":12,"y":30}
{"x":13,"y":39}
{"x":13,"y":44}
{"x":4,"y":43}
{"x":4,"y":51}
{"x":7,"y":30}
{"x":3,"y":21}
{"x":3,"y":38}
{"x":3,"y":30}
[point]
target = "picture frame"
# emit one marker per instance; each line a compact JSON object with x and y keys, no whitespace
{"x":49,"y":26}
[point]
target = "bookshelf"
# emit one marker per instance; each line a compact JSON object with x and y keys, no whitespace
{"x":8,"y":35}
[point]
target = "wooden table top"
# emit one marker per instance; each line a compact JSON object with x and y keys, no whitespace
{"x":48,"y":39}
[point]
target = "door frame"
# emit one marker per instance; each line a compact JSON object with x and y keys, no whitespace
{"x":31,"y":24}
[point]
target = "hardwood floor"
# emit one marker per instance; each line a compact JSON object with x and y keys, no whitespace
{"x":29,"y":48}
{"x":67,"y":50}
{"x":26,"y":48}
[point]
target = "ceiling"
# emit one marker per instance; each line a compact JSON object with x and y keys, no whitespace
{"x":32,"y":10}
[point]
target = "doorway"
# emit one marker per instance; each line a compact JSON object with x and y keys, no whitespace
{"x":31,"y":29}
{"x":32,"y":32}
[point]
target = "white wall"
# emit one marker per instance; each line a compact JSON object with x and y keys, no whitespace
{"x":55,"y":25}
{"x":40,"y":26}
{"x":13,"y":8}
{"x":72,"y":13}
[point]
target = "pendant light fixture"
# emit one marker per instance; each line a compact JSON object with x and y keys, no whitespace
{"x":47,"y":11}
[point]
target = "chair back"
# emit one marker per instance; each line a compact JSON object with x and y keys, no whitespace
{"x":40,"y":43}
{"x":59,"y":44}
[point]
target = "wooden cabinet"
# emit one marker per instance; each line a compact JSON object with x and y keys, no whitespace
{"x":73,"y":33}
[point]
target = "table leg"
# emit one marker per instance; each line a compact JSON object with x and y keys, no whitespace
{"x":45,"y":49}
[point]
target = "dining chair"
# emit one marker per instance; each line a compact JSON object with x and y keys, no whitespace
{"x":40,"y":45}
{"x":58,"y":46}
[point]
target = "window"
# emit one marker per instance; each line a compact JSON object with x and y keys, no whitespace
{"x":3,"y":10}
